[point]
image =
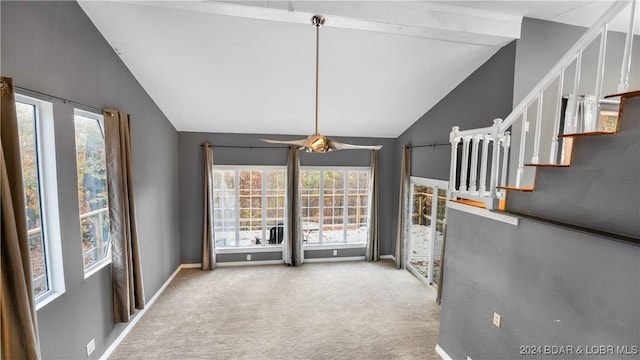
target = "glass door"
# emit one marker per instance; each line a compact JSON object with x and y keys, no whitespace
{"x":428,"y":209}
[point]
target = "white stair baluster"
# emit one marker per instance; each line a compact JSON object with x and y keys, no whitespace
{"x":523,"y":140}
{"x":506,"y":144}
{"x":600,"y":70}
{"x":454,"y":140}
{"x":465,"y":163}
{"x":553,"y":155}
{"x":536,"y":144}
{"x":474,"y":163}
{"x":484,"y":165}
{"x":626,"y":58}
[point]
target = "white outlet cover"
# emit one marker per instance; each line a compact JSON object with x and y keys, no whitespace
{"x":496,"y":319}
{"x":248,"y":257}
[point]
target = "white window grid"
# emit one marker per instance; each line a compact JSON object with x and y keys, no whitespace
{"x":342,"y":205}
{"x":264,"y":209}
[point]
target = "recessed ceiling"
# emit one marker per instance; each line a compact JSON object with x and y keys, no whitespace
{"x":249,"y":67}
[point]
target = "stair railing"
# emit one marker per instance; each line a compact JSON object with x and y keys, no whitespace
{"x":497,"y":138}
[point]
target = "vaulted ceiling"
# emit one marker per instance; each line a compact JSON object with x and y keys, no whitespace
{"x":249,"y":66}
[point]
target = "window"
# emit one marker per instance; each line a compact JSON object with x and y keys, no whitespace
{"x":92,"y":189}
{"x":335,"y":205}
{"x":37,"y":154}
{"x":249,"y":205}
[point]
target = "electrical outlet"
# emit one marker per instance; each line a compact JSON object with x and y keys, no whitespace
{"x":248,"y":257}
{"x":496,"y":319}
{"x":335,"y":252}
{"x":91,"y":346}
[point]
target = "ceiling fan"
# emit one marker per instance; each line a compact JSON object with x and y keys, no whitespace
{"x":317,"y":142}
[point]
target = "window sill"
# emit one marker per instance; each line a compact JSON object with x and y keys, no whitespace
{"x":97,"y":267}
{"x":47,"y":298}
{"x":249,"y":249}
{"x":334,"y":246}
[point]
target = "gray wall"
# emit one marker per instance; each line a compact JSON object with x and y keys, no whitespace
{"x":190,"y":160}
{"x":53,"y":48}
{"x":483,"y":96}
{"x":551,"y":285}
{"x":542,"y":44}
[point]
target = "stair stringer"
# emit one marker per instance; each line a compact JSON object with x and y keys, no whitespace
{"x":601,"y":188}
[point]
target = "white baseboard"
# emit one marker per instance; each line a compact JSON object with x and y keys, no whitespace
{"x":334,"y":259}
{"x":443,"y":354}
{"x":387,"y":257}
{"x":191,"y":266}
{"x":249,"y":263}
{"x":138,"y":316}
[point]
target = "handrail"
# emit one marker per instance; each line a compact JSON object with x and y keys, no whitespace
{"x":564,"y":61}
{"x":496,"y":139}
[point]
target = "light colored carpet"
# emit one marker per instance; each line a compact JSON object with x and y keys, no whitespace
{"x":350,"y":310}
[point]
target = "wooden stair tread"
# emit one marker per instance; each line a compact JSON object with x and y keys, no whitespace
{"x":593,"y":133}
{"x":478,"y":204}
{"x":549,"y":165}
{"x":627,"y":94}
{"x":513,"y":188}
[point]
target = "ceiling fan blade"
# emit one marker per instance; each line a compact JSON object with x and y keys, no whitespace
{"x":342,"y":146}
{"x":300,"y":142}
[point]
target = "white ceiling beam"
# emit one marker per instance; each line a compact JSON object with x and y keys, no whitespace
{"x":418,"y":19}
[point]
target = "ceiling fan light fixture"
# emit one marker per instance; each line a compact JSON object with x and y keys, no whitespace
{"x":317,"y":142}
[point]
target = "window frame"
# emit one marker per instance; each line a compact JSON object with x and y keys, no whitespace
{"x":255,"y":248}
{"x":436,"y":185}
{"x":107,"y":259}
{"x":344,"y":244}
{"x":48,"y":196}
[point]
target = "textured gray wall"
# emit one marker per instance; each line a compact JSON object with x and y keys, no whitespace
{"x":53,"y":48}
{"x":190,"y":159}
{"x":551,"y":285}
{"x":542,"y":44}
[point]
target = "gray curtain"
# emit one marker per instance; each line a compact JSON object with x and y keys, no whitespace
{"x":19,"y":327}
{"x":208,"y":235}
{"x":126,"y":270}
{"x":373,"y":240}
{"x":403,"y":205}
{"x":292,"y":253}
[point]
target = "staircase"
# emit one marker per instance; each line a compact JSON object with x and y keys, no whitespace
{"x":485,"y":172}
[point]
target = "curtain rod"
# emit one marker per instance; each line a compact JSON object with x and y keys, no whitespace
{"x":59,"y":98}
{"x":249,"y":146}
{"x":428,"y":145}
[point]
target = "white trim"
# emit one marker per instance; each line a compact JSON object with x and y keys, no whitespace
{"x":434,"y":21}
{"x":98,"y":265}
{"x":330,"y":246}
{"x":443,"y":354}
{"x":334,"y":259}
{"x":508,"y":219}
{"x":138,"y":316}
{"x":248,"y":249}
{"x":249,"y":263}
{"x":442,"y":184}
{"x":387,"y":257}
{"x":411,"y":269}
{"x":191,"y":266}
